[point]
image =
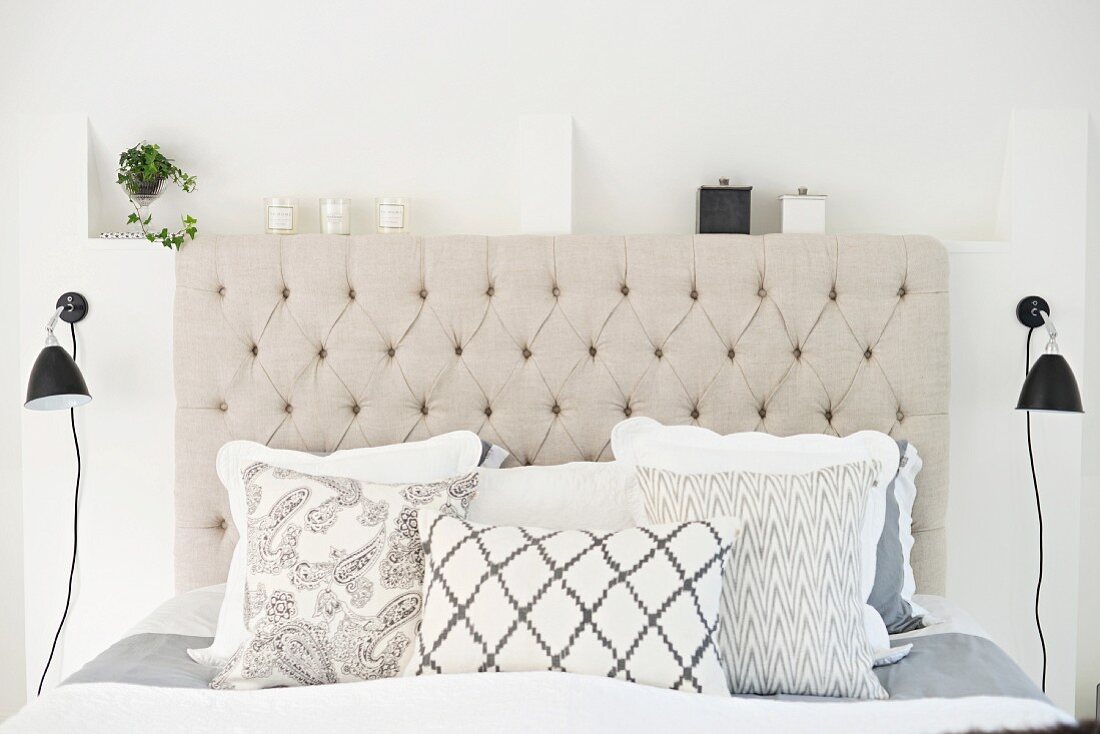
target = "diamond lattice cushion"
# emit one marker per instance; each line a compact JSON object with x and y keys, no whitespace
{"x":792,"y":606}
{"x":335,"y":573}
{"x":639,"y":605}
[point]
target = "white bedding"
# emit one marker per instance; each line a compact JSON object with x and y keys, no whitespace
{"x":500,"y":702}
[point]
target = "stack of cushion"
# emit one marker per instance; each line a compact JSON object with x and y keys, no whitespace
{"x":705,"y":563}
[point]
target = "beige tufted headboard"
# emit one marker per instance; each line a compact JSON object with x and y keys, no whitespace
{"x":542,"y":344}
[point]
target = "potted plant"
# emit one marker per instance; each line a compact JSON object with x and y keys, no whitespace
{"x":143,"y":172}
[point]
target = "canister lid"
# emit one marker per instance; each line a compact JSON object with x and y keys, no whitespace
{"x":803,"y":193}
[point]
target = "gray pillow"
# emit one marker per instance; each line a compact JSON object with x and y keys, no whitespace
{"x":886,"y":596}
{"x":492,"y":456}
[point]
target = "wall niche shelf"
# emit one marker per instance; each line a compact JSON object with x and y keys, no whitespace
{"x":82,"y":192}
{"x":83,"y":195}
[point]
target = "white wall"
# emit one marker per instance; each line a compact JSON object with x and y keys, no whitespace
{"x":900,"y":111}
{"x":992,"y":520}
{"x":125,"y":565}
{"x":1088,"y":630}
{"x":11,"y":496}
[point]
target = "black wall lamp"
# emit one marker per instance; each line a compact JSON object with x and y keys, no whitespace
{"x":56,"y":383}
{"x":1049,"y":386}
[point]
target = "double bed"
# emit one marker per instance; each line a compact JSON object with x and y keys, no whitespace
{"x":955,"y":679}
{"x":541,"y":345}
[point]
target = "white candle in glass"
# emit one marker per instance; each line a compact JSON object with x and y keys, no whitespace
{"x":280,"y":215}
{"x":335,"y":216}
{"x":391,"y":214}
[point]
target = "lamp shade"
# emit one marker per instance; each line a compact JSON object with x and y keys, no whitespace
{"x":56,"y":382}
{"x":1050,"y":385}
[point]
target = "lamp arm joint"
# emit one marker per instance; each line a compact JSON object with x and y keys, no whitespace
{"x":53,"y":320}
{"x":1052,"y":333}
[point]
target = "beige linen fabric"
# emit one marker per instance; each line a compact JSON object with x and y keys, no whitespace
{"x":542,"y":344}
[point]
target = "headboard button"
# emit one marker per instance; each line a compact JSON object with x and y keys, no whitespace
{"x":832,"y":295}
{"x":867,"y":353}
{"x":255,"y":350}
{"x":731,"y":354}
{"x":828,"y":415}
{"x":286,"y":293}
{"x":351,"y":294}
{"x":391,"y":351}
{"x":901,"y":416}
{"x":488,"y":412}
{"x":355,"y":409}
{"x":762,"y":412}
{"x":323,"y":353}
{"x":526,"y":353}
{"x":289,"y":408}
{"x":695,"y":413}
{"x":761,"y":293}
{"x":458,"y":351}
{"x":223,"y":407}
{"x":625,"y":291}
{"x":423,"y":294}
{"x":556,"y":291}
{"x":223,"y":525}
{"x":592,"y":351}
{"x":423,"y":409}
{"x":627,"y":411}
{"x":556,"y":409}
{"x":490,"y":292}
{"x":695,"y":295}
{"x":901,"y":291}
{"x":797,"y":353}
{"x":221,"y":291}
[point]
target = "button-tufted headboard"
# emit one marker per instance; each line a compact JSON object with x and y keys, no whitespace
{"x":542,"y":344}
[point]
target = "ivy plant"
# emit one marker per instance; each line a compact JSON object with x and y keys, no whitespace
{"x":145,"y":164}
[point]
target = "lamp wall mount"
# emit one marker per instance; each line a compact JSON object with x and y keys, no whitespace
{"x":74,"y":307}
{"x":1030,"y":310}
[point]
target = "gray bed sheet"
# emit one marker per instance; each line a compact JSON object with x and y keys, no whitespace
{"x":148,"y":659}
{"x":951,"y":665}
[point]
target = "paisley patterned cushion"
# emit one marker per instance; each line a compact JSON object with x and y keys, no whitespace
{"x":335,"y":569}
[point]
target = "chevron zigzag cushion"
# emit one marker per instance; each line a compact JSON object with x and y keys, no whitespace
{"x":792,"y":607}
{"x":640,"y":604}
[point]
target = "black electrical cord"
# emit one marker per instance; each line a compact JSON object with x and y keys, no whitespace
{"x":1039,"y":509}
{"x":76,"y":525}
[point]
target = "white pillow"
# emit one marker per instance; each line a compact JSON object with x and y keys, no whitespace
{"x":335,"y":577}
{"x":437,"y":458}
{"x":584,"y":495}
{"x":905,"y":491}
{"x":696,"y":450}
{"x":640,"y":604}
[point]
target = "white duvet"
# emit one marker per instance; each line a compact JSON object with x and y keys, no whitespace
{"x":492,"y":702}
{"x":499,"y":702}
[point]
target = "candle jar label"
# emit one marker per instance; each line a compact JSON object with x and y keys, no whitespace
{"x":280,"y":218}
{"x":391,"y":216}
